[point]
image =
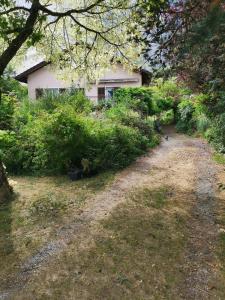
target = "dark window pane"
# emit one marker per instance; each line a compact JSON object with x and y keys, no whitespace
{"x":39,"y":93}
{"x":61,"y":91}
{"x":101,"y":93}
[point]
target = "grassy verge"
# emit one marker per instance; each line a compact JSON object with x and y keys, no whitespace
{"x":219,"y":158}
{"x":40,"y":207}
{"x":134,"y":254}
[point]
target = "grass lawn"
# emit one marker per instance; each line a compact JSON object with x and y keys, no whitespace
{"x":133,"y":254}
{"x":40,"y":207}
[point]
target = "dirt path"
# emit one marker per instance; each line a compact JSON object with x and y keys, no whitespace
{"x":182,"y":162}
{"x":200,"y":260}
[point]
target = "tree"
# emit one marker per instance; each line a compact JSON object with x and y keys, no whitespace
{"x":78,"y":35}
{"x":81,"y":36}
{"x":185,"y":36}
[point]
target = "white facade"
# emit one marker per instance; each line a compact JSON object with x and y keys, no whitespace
{"x":45,"y":79}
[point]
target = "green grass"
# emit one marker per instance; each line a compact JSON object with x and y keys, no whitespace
{"x":219,"y":158}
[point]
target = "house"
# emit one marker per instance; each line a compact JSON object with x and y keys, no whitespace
{"x":41,"y":78}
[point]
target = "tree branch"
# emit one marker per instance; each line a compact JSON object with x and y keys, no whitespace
{"x":13,"y":9}
{"x":17,"y":43}
{"x":69,"y":12}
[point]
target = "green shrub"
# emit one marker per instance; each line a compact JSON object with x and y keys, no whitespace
{"x":7,"y":141}
{"x":167,"y":94}
{"x":7,"y":106}
{"x":118,"y":145}
{"x":216,"y":133}
{"x":11,"y":86}
{"x":138,"y":99}
{"x":161,"y":103}
{"x":167,"y":117}
{"x":170,"y":88}
{"x":202,"y":123}
{"x":53,"y":142}
{"x":215,"y":104}
{"x":79,"y":102}
{"x":128,"y":117}
{"x":24,"y":113}
{"x":200,"y":104}
{"x":54,"y":134}
{"x":185,"y":121}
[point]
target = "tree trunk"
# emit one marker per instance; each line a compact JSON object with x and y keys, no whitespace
{"x":5,"y":189}
{"x":5,"y":58}
{"x":21,"y":38}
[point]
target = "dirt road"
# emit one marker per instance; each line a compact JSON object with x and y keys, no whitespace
{"x":185,"y":165}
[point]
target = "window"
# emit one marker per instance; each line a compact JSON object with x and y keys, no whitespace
{"x":39,"y":93}
{"x":101,"y":93}
{"x":61,"y":91}
{"x":109,"y":92}
{"x":106,"y":92}
{"x":49,"y":91}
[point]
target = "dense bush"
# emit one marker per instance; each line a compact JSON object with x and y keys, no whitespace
{"x":161,"y":96}
{"x":51,"y":136}
{"x":167,"y":94}
{"x":216,"y":133}
{"x":185,"y":115}
{"x":77,"y":100}
{"x":11,"y":86}
{"x":7,"y":106}
{"x":128,"y":117}
{"x":7,"y":141}
{"x":57,"y":133}
{"x":138,"y":99}
{"x":203,"y":123}
{"x":167,"y":117}
{"x":216,"y":112}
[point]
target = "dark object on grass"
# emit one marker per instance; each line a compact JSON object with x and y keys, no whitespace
{"x":75,"y":174}
{"x":91,"y":173}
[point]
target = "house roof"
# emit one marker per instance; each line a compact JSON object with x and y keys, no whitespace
{"x":22,"y":77}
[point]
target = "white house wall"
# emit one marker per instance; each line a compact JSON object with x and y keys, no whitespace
{"x":115,"y":73}
{"x":45,"y":78}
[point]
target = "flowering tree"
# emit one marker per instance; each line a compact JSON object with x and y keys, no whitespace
{"x":79,"y":34}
